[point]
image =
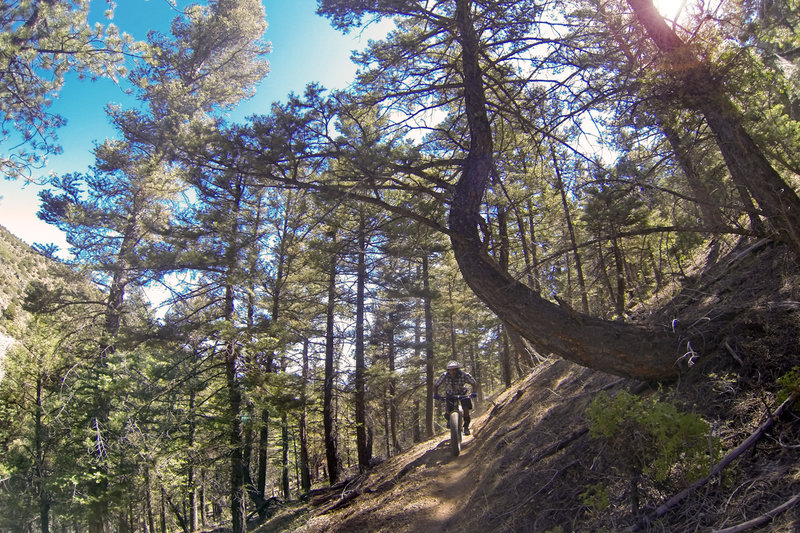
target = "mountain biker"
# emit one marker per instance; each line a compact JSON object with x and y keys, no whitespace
{"x":455,"y":381}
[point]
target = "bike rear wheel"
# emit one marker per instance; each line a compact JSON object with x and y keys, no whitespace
{"x":455,"y":432}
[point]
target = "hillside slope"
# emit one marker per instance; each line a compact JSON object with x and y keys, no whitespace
{"x":19,"y":265}
{"x":532,"y":465}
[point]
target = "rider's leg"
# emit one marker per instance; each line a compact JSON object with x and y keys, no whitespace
{"x":466,"y":406}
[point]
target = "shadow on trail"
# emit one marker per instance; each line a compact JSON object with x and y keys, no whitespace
{"x":435,"y":457}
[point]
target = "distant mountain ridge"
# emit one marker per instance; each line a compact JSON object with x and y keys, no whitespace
{"x":19,"y":265}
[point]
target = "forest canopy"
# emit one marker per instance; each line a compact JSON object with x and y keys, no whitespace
{"x":503,"y":182}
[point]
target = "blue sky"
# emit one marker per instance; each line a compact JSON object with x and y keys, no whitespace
{"x":304,"y":49}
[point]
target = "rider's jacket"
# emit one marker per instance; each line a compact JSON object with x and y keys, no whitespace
{"x":457,"y":385}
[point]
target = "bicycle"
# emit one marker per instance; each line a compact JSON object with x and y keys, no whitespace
{"x":455,"y":418}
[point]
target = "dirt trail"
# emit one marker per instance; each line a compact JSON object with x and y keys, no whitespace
{"x":425,"y":489}
{"x":450,"y":488}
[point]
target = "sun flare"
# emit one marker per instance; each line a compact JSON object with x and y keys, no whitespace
{"x":669,"y":8}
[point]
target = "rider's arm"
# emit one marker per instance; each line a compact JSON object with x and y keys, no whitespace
{"x":473,"y":383}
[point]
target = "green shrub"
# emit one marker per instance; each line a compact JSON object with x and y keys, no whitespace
{"x":789,"y":383}
{"x":596,"y":497}
{"x":648,"y":437}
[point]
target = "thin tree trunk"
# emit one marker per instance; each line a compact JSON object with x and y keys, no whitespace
{"x":328,"y":414}
{"x":526,"y":252}
{"x":537,"y":284}
{"x":521,"y":348}
{"x":386,"y":430}
{"x":285,"y":457}
{"x":505,"y":356}
{"x":417,"y":419}
{"x":601,"y":261}
{"x":392,"y":385}
{"x":247,"y":444}
{"x":263,"y":451}
{"x":416,"y":430}
{"x":190,"y":475}
{"x":360,"y":364}
{"x":619,"y":265}
{"x":477,"y":369}
{"x":712,"y":216}
{"x":203,"y":499}
{"x":148,"y":501}
{"x":296,"y":460}
{"x":236,"y":441}
{"x":572,"y":239}
{"x":163,"y":510}
{"x":305,"y":474}
{"x":426,"y":288}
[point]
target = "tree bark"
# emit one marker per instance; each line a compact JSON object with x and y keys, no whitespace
{"x":263,"y":451}
{"x":285,"y":456}
{"x":163,"y":515}
{"x":615,"y":347}
{"x":148,"y":501}
{"x":535,"y":275}
{"x":620,"y":300}
{"x":190,"y":474}
{"x":505,"y":355}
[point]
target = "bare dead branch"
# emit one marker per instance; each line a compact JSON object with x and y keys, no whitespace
{"x":764,"y":518}
{"x":719,"y":467}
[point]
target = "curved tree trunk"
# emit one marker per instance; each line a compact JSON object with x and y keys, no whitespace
{"x":614,"y":347}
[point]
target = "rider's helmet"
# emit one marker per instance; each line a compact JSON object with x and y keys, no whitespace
{"x":452,"y":365}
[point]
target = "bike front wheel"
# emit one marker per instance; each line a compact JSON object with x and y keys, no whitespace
{"x":455,"y":433}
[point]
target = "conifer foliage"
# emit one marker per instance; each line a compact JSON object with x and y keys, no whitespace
{"x":254,"y":310}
